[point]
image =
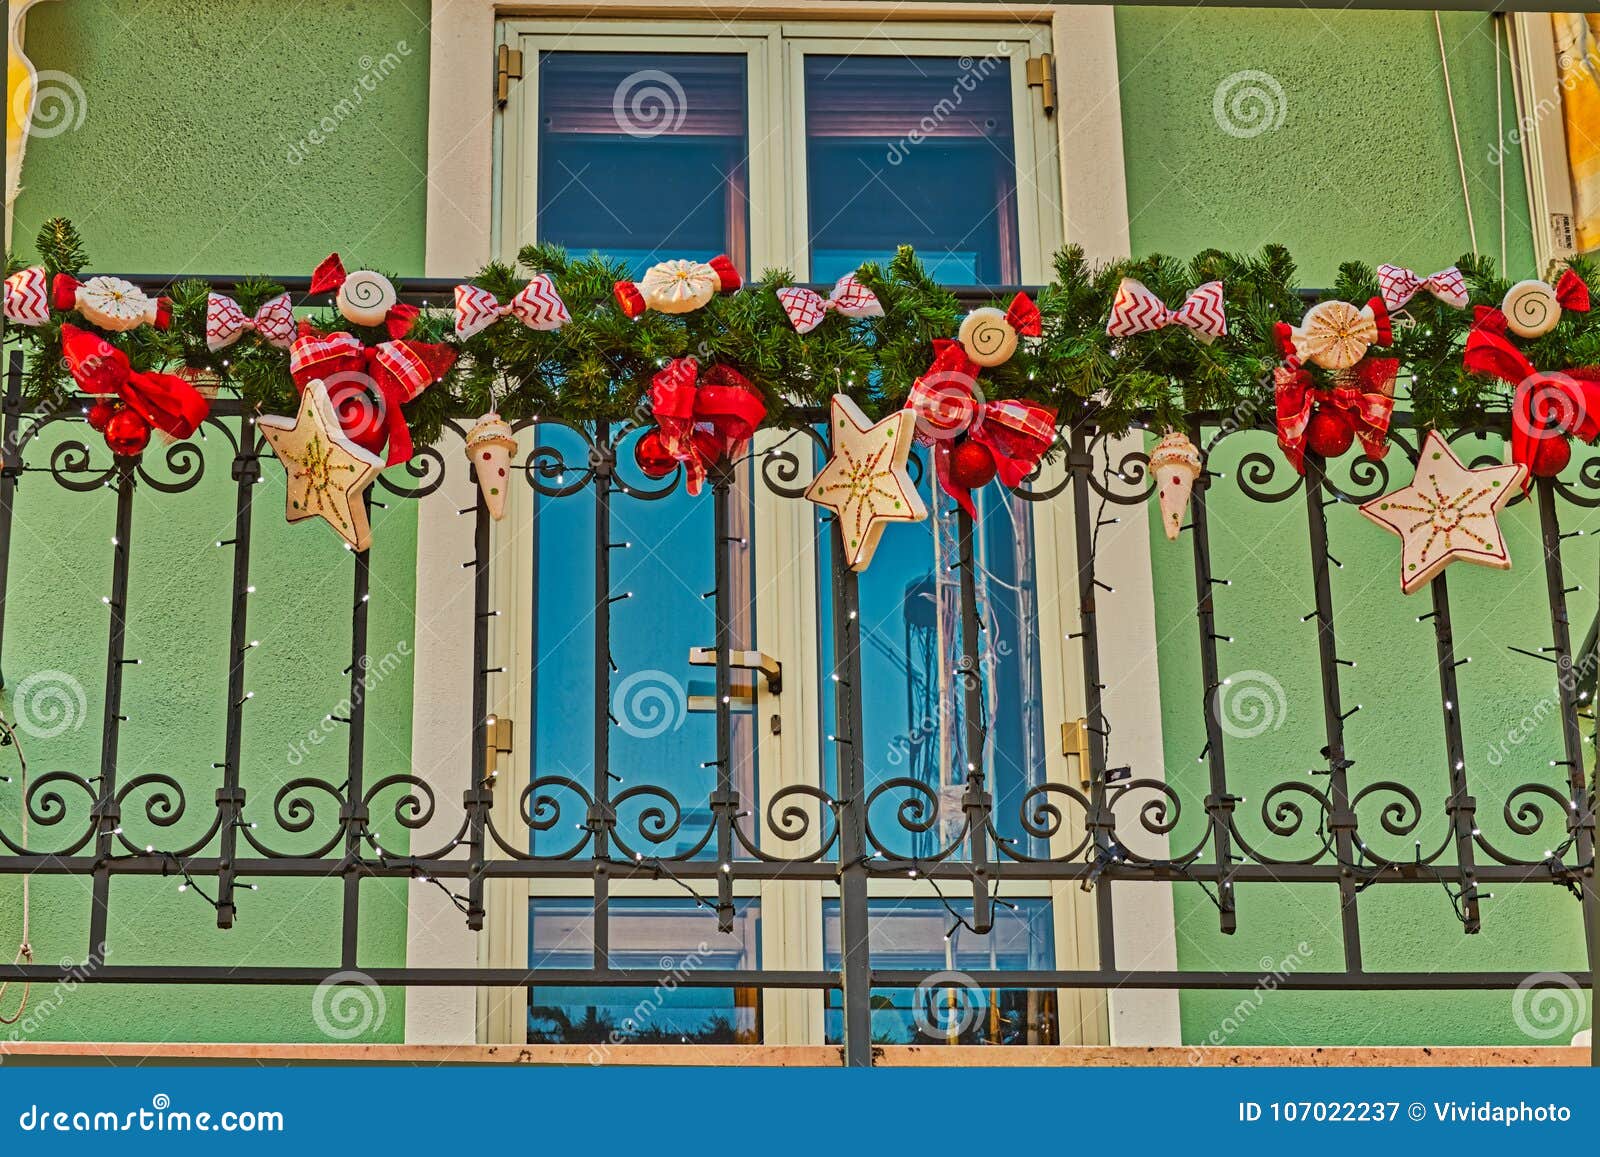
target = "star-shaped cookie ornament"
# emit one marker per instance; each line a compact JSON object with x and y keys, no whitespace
{"x":1447,"y":514}
{"x":865,"y":482}
{"x":328,"y":473}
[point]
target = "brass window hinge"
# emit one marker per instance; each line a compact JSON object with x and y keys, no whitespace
{"x":496,"y":742}
{"x":1075,"y":742}
{"x":1041,"y":74}
{"x":507,"y":67}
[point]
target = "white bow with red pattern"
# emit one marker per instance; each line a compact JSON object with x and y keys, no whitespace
{"x":537,"y":305}
{"x":1138,"y":310}
{"x":806,"y":307}
{"x":226,"y":323}
{"x":27,"y":297}
{"x":1398,"y":285}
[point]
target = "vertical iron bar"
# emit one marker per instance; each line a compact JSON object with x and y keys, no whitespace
{"x":1219,"y":801}
{"x":106,"y":811}
{"x":976,"y":801}
{"x":602,"y":818}
{"x":1461,"y":806}
{"x":1342,"y":821}
{"x":479,"y":796}
{"x":354,"y":815}
{"x":1580,"y":813}
{"x":230,"y":796}
{"x":10,"y":471}
{"x":1099,"y":820}
{"x":724,"y":800}
{"x":855,"y":951}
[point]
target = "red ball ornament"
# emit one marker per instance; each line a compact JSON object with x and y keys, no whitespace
{"x":100,"y":413}
{"x":362,"y":413}
{"x":1330,"y":433}
{"x":652,"y":456}
{"x":1550,"y":456}
{"x":127,"y":433}
{"x":971,"y":465}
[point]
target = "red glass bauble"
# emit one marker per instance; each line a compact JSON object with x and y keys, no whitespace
{"x":361,"y":411}
{"x":1330,"y":433}
{"x":971,"y":465}
{"x":1550,"y":456}
{"x":100,"y":413}
{"x":652,"y":456}
{"x":127,"y":433}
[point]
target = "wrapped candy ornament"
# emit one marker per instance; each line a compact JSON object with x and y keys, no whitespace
{"x":677,"y":286}
{"x":1533,"y":308}
{"x":1329,"y":391}
{"x":490,"y":444}
{"x":111,"y":303}
{"x":363,"y":297}
{"x":1335,"y":334}
{"x":989,"y":336}
{"x":1175,"y":462}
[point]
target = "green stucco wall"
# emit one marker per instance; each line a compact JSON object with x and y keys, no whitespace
{"x":180,"y":165}
{"x":1361,"y":166}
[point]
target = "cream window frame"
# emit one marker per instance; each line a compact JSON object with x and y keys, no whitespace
{"x":468,"y":187}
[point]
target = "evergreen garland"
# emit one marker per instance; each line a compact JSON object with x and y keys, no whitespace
{"x":599,"y":365}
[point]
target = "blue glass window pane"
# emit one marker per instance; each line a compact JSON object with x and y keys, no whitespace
{"x":670,"y":938}
{"x":911,"y":934}
{"x":662,"y":722}
{"x":644,"y":155}
{"x":912,"y":151}
{"x":913,"y":704}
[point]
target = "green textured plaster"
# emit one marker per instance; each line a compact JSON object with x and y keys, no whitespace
{"x":1362,"y":166}
{"x":181,"y":164}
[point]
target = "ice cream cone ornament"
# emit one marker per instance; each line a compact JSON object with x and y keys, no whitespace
{"x":1175,"y":461}
{"x":490,"y":444}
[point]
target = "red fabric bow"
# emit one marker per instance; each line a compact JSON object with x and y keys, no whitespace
{"x":394,"y":372}
{"x":949,"y":406}
{"x":166,"y":401}
{"x":706,"y":422}
{"x":1546,"y":404}
{"x":1366,"y":393}
{"x":1023,"y":316}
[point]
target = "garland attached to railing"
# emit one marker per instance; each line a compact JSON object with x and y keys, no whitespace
{"x":708,"y":359}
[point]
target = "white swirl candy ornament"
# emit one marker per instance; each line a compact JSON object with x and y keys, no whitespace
{"x":114,"y":304}
{"x":988,"y":336}
{"x":679,"y":286}
{"x":365,"y":297}
{"x":1531,"y":308}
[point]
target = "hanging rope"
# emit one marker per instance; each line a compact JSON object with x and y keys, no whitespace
{"x":24,"y":953}
{"x":1455,"y":130}
{"x":1495,"y":20}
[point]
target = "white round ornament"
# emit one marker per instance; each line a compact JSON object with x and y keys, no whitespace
{"x":1336,"y":334}
{"x":1531,"y":308}
{"x":366,"y":297}
{"x":987,"y":336}
{"x":114,"y":304}
{"x":679,"y":286}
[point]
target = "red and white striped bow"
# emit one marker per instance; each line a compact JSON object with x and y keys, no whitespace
{"x":27,"y":297}
{"x":1137,"y":310}
{"x":226,"y":323}
{"x":1398,"y":285}
{"x":537,"y":305}
{"x":806,"y":307}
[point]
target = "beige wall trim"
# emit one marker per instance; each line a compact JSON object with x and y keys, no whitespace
{"x":829,"y":1056}
{"x":1094,"y":186}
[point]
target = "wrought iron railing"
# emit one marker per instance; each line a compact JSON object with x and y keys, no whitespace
{"x":88,"y":824}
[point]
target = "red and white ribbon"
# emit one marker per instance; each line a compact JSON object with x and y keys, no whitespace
{"x":537,"y":305}
{"x":806,"y":307}
{"x":1398,"y":285}
{"x":27,"y":297}
{"x":1138,"y":310}
{"x":226,"y":323}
